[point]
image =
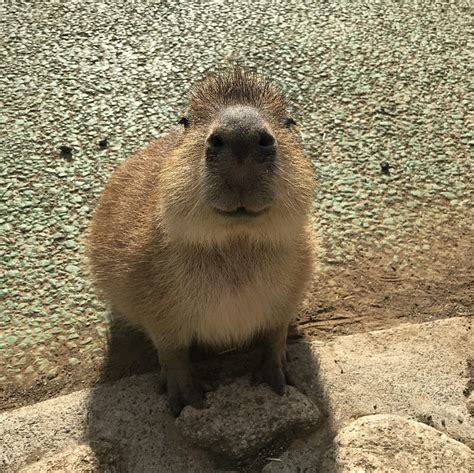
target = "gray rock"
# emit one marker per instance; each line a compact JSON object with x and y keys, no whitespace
{"x":415,"y":370}
{"x":129,"y":415}
{"x":72,"y":269}
{"x":392,"y":443}
{"x":418,"y":371}
{"x":242,"y":419}
{"x":77,"y":458}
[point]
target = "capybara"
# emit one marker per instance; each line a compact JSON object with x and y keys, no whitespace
{"x":205,"y":235}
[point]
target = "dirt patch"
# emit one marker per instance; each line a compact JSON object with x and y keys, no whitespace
{"x":374,"y":293}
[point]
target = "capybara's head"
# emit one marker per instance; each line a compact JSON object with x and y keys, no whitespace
{"x":238,"y":169}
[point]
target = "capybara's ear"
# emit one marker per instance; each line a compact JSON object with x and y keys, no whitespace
{"x":289,"y":122}
{"x":184,"y":121}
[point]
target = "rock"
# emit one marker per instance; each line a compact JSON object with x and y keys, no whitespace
{"x":77,"y":458}
{"x":392,"y":443}
{"x":74,"y":361}
{"x":418,"y":371}
{"x":415,"y":370}
{"x":72,"y":269}
{"x":70,"y":244}
{"x":242,"y":419}
{"x":129,"y":416}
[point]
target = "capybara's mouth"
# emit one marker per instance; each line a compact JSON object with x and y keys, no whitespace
{"x":240,"y":212}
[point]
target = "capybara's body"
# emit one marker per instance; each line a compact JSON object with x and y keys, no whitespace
{"x":205,"y":235}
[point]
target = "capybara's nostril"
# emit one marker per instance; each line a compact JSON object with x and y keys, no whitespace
{"x":215,"y":141}
{"x":266,"y":140}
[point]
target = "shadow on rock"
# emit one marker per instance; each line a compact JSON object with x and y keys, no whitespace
{"x":128,"y":353}
{"x":126,"y":411}
{"x":134,"y":418}
{"x":304,"y":453}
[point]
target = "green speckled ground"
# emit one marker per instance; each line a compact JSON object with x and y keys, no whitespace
{"x":369,"y":84}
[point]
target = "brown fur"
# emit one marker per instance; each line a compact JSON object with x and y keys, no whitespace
{"x":173,"y":267}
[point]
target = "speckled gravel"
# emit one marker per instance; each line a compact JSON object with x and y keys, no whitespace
{"x":381,"y":93}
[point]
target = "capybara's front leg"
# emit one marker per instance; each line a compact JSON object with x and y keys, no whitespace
{"x":177,"y":379}
{"x":273,"y":369}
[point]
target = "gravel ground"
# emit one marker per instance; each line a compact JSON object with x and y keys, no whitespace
{"x":381,"y":94}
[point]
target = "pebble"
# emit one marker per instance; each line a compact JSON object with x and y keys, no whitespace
{"x":72,"y":269}
{"x":74,"y":361}
{"x":70,"y":244}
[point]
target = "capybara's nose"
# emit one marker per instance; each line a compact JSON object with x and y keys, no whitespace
{"x":240,"y":134}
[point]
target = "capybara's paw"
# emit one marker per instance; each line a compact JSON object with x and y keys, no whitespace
{"x":274,"y":374}
{"x":183,"y":390}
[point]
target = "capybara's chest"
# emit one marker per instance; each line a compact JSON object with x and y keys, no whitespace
{"x":236,"y":315}
{"x":223,"y":303}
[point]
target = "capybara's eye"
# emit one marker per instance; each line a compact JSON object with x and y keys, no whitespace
{"x":289,"y":122}
{"x":184,"y":121}
{"x":266,"y":140}
{"x":215,"y":141}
